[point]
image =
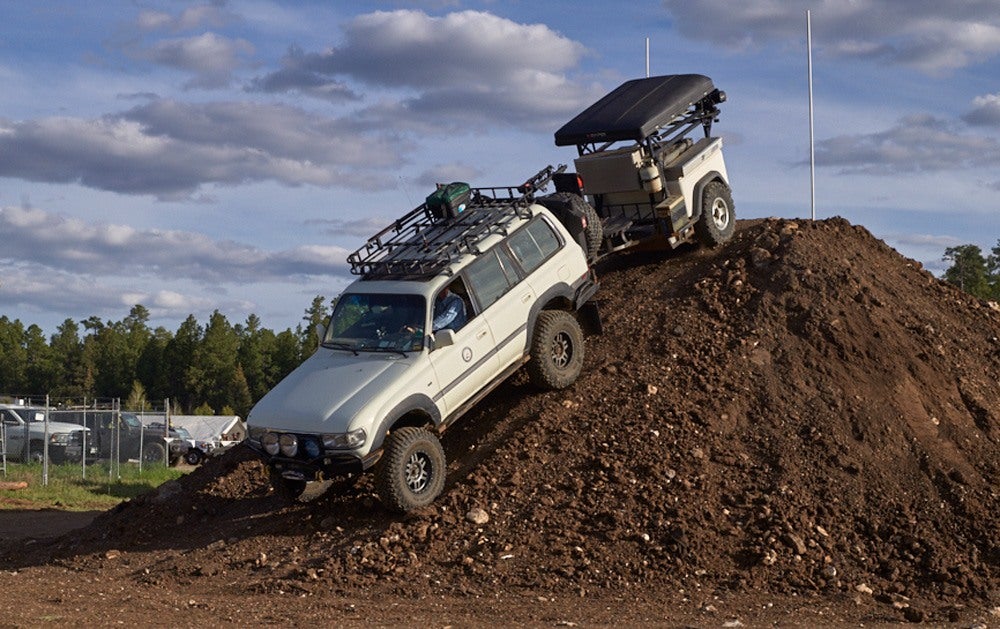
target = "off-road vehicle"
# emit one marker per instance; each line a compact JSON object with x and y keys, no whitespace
{"x":452,"y":298}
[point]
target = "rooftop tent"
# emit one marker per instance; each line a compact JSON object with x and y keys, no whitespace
{"x":636,"y":109}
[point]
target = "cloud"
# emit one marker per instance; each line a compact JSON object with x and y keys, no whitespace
{"x":463,"y":68}
{"x":69,"y":245}
{"x":918,"y":143}
{"x":359,"y":228}
{"x":198,"y":16}
{"x":444,"y":173}
{"x":211,"y":58}
{"x":170,"y":149}
{"x":296,"y":78}
{"x":931,"y":36}
{"x":985,"y":112}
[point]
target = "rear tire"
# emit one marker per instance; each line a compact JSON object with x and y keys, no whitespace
{"x":154,"y":453}
{"x":718,"y":216}
{"x":412,"y":471}
{"x":556,"y":350}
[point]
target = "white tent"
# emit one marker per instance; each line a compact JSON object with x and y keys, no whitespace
{"x":224,"y":428}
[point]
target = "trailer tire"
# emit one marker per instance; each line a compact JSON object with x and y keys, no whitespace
{"x":412,"y":470}
{"x":718,"y":217}
{"x":556,"y":350}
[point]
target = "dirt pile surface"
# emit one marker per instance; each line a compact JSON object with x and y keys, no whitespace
{"x":802,"y":412}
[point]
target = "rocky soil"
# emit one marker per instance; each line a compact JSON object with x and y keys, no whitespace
{"x":799,"y":427}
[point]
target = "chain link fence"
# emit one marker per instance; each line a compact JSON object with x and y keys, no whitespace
{"x":83,"y":438}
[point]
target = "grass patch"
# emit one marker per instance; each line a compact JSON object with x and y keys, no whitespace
{"x":68,"y":489}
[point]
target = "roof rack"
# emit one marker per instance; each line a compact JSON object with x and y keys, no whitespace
{"x":420,"y":245}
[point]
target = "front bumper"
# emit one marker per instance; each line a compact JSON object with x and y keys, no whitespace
{"x":326,"y":465}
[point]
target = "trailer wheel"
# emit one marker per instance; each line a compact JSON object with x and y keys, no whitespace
{"x":556,"y":350}
{"x":412,"y":470}
{"x":718,"y":218}
{"x":193,"y":457}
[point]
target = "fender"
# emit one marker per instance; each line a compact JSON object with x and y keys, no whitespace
{"x":558,"y":291}
{"x":416,"y":402}
{"x":699,"y":189}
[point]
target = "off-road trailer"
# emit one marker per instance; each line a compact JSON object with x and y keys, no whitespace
{"x":648,"y":182}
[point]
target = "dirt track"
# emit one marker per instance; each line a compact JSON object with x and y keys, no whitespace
{"x":801,"y":426}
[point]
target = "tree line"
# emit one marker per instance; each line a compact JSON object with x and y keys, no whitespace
{"x":973,"y":272}
{"x":215,"y":368}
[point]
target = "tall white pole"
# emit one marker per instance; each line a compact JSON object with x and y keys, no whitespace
{"x":647,"y":57}
{"x":812,"y":147}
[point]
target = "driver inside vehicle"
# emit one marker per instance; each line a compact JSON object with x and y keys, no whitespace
{"x":449,"y":309}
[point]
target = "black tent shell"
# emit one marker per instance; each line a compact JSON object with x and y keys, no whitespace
{"x":635,"y":109}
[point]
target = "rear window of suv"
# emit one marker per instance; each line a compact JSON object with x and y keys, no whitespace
{"x":533,"y":244}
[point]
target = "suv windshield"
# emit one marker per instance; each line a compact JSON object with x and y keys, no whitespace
{"x":377,"y":322}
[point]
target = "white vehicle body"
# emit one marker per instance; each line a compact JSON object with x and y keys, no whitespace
{"x":388,"y":368}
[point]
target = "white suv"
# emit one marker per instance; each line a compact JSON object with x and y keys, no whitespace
{"x":448,"y":305}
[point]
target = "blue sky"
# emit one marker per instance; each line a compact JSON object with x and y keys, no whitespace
{"x":229,"y":155}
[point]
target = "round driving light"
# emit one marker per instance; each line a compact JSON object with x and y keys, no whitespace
{"x":270,"y":443}
{"x":311,"y":448}
{"x":289,"y":444}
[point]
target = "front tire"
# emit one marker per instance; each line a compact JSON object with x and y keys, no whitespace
{"x":718,"y":216}
{"x":287,"y":489}
{"x":36,"y":452}
{"x":556,"y":350}
{"x":412,"y":471}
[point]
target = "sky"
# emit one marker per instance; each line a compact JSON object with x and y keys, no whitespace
{"x":229,"y":155}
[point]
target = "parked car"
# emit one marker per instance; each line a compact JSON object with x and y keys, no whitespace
{"x":122,"y":435}
{"x":25,"y":433}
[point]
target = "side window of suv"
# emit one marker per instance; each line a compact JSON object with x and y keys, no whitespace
{"x":533,"y":244}
{"x":489,"y":279}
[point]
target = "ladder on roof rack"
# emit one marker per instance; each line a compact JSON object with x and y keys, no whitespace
{"x":419,"y":245}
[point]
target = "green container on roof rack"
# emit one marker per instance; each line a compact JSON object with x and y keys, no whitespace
{"x":449,"y":200}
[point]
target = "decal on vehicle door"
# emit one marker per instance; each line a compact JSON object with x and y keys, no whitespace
{"x":467,"y":354}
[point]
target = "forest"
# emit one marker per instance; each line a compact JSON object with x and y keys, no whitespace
{"x":216,"y":368}
{"x":973,"y":272}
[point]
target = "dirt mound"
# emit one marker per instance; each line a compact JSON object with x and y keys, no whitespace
{"x":800,"y":411}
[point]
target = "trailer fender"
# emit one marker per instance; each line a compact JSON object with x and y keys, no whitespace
{"x":699,"y":189}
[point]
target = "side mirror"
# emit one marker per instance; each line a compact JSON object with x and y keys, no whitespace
{"x":320,"y":331}
{"x":444,"y":338}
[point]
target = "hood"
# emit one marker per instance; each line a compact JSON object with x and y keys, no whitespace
{"x":327,"y":391}
{"x":38,"y":428}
